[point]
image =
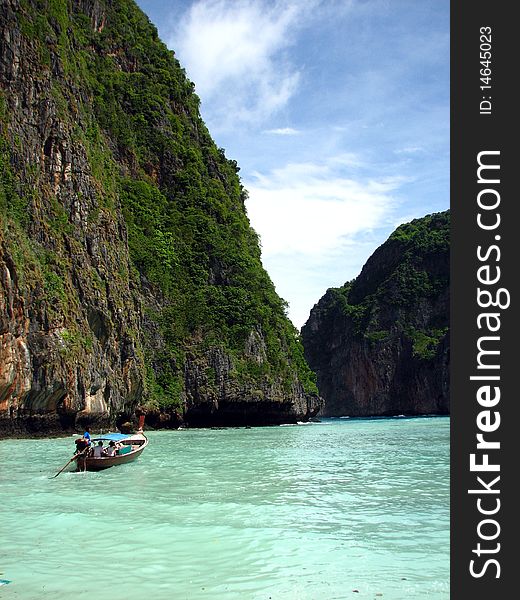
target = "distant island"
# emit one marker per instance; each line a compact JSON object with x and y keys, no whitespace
{"x":380,"y":344}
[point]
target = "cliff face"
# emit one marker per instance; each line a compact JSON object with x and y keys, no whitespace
{"x":380,"y":344}
{"x":130,"y":279}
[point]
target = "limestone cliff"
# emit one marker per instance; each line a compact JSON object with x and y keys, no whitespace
{"x":380,"y":344}
{"x":130,"y":278}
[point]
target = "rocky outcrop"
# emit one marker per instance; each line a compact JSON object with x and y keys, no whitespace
{"x":220,"y":399}
{"x":380,"y":344}
{"x":67,"y":325}
{"x":113,"y":202}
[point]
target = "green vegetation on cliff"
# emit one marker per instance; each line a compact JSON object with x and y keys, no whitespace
{"x":411,"y":268}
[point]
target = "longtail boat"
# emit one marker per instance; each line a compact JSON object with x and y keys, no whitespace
{"x":129,"y":448}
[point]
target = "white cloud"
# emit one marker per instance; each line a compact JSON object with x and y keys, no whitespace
{"x":315,"y":209}
{"x":283,"y":131}
{"x":410,"y":150}
{"x":318,"y":223}
{"x":235,"y":54}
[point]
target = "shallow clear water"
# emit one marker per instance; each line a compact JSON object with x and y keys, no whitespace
{"x":309,"y":512}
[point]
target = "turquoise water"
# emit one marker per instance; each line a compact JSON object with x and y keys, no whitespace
{"x":305,"y":512}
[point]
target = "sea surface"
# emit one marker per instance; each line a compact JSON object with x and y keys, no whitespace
{"x":341,"y":509}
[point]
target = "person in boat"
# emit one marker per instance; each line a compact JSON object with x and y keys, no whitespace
{"x":86,"y":436}
{"x":111,"y":448}
{"x":98,"y":450}
{"x":81,"y":445}
{"x":81,"y":453}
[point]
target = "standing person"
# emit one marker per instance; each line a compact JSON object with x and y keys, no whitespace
{"x":86,"y":436}
{"x":81,"y":453}
{"x":81,"y":445}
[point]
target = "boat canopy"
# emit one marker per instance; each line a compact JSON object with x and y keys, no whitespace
{"x":117,"y":437}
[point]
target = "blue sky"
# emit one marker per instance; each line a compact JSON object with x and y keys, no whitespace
{"x":337,"y":113}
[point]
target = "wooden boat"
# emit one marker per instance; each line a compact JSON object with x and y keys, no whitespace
{"x":130,"y":448}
